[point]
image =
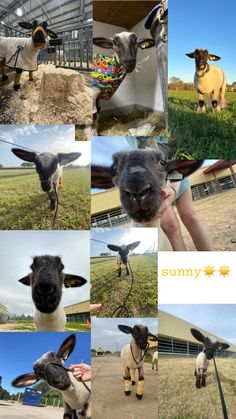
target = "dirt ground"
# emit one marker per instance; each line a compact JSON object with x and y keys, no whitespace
{"x":218,"y":216}
{"x":108,"y":398}
{"x":15,"y":410}
{"x":178,"y":398}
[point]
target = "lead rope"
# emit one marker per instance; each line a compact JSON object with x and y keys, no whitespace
{"x":222,"y":399}
{"x":123,"y":306}
{"x":145,"y":351}
{"x":55,"y":213}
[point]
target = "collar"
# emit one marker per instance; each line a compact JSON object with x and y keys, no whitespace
{"x":203,"y":72}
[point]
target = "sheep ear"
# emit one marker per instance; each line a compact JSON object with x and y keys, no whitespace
{"x":65,"y":158}
{"x":50,"y":33}
{"x":222,"y":346}
{"x":26,"y":280}
{"x":146,"y":43}
{"x":25,"y":25}
{"x":25,"y":380}
{"x":24,"y":154}
{"x":125,"y":329}
{"x":213,"y":57}
{"x":152,"y":337}
{"x":66,"y":347}
{"x":184,"y":167}
{"x":103,"y":42}
{"x":133,"y":246}
{"x":113,"y":247}
{"x":198,"y":335}
{"x":190,"y":54}
{"x":71,"y":281}
{"x":101,"y":177}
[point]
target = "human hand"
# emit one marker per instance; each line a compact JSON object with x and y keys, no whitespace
{"x":81,"y":371}
{"x":168,"y":196}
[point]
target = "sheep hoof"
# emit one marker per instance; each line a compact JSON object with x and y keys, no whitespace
{"x":52,"y":205}
{"x":127,"y":393}
{"x":16,"y":87}
{"x":139,"y":396}
{"x":203,"y":382}
{"x":133,"y":383}
{"x":4,"y":78}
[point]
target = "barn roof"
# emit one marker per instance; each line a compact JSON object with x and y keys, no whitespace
{"x":219,"y":165}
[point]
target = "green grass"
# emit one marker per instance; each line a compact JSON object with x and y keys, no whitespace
{"x":24,"y":206}
{"x":110,"y":290}
{"x":211,"y":135}
{"x":28,"y":326}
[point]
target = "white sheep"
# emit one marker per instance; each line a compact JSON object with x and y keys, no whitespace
{"x":50,"y":368}
{"x":209,"y":80}
{"x":155,"y":360}
{"x":46,"y":280}
{"x":133,"y":356}
{"x":210,"y":346}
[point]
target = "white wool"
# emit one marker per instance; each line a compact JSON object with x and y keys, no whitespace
{"x":77,"y":395}
{"x":50,"y":322}
{"x":19,"y":53}
{"x":163,"y":241}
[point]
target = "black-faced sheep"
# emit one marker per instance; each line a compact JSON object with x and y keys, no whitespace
{"x":123,"y":255}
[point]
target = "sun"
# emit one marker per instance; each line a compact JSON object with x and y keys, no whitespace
{"x":224,"y":270}
{"x":209,"y":270}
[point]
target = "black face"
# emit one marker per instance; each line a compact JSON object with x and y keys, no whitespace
{"x":126,"y":46}
{"x":50,"y":369}
{"x":201,"y":58}
{"x":124,"y":251}
{"x":46,"y":165}
{"x":39,"y":34}
{"x":140,"y":175}
{"x":140,"y":335}
{"x":46,"y":282}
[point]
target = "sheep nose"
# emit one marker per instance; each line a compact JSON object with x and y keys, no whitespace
{"x":130,"y":64}
{"x":46,"y":186}
{"x":45,"y":288}
{"x":138,"y":196}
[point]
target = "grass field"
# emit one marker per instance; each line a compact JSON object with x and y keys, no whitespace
{"x":210,"y":135}
{"x":28,"y":326}
{"x":110,"y":290}
{"x":178,"y":398}
{"x":24,"y":206}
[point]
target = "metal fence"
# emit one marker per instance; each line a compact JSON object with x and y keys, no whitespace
{"x":213,"y":187}
{"x":110,"y":219}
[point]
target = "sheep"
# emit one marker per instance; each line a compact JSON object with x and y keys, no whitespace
{"x":208,"y":79}
{"x":155,"y":360}
{"x":46,"y":280}
{"x":122,"y":257}
{"x":141,"y":176}
{"x":132,"y":356}
{"x":22,"y":53}
{"x":210,"y":346}
{"x":109,"y":72}
{"x":50,"y":368}
{"x":49,"y":168}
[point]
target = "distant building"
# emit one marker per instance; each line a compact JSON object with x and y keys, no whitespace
{"x":78,"y":313}
{"x":3,"y":313}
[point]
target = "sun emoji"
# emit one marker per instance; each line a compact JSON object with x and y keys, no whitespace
{"x":224,"y":270}
{"x":209,"y":270}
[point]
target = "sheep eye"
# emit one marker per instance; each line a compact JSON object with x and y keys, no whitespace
{"x":163,"y":162}
{"x":33,"y":267}
{"x":61,"y":267}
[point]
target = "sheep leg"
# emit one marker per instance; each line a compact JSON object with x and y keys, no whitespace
{"x":119,"y":270}
{"x":198,"y":378}
{"x":204,"y":378}
{"x":132,"y":373}
{"x":3,"y":71}
{"x":52,"y":197}
{"x":127,"y":381}
{"x":68,"y":412}
{"x":60,"y":182}
{"x":201,"y":104}
{"x":139,"y":390}
{"x":214,"y":101}
{"x":222,"y":94}
{"x":31,"y":76}
{"x":16,"y":85}
{"x":127,"y":270}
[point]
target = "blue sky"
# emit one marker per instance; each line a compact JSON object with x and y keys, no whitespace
{"x":208,"y":24}
{"x":52,"y":138}
{"x":16,"y":251}
{"x":18,"y":352}
{"x":218,"y":319}
{"x":119,"y":236}
{"x":105,"y":333}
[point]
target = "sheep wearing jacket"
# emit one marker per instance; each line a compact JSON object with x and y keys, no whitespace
{"x":50,"y":368}
{"x":109,"y":72}
{"x":123,"y":255}
{"x":22,"y":53}
{"x":210,"y":347}
{"x":49,"y":168}
{"x":132,"y":356}
{"x":141,"y":177}
{"x":47,"y":280}
{"x":208,"y":79}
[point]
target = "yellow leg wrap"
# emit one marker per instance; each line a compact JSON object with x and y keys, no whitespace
{"x":132,"y":373}
{"x":140,"y":387}
{"x":31,"y":77}
{"x":127,"y":385}
{"x":60,"y":183}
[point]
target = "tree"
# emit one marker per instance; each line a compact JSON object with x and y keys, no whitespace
{"x":27,"y":164}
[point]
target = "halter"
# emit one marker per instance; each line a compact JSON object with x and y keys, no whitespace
{"x":205,"y":71}
{"x":66,"y":369}
{"x":144,"y":353}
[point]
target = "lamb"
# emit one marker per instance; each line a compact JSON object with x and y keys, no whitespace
{"x":49,"y":168}
{"x":109,"y":72}
{"x":208,"y":79}
{"x":122,"y":257}
{"x":50,"y":368}
{"x":155,"y":360}
{"x":202,"y":361}
{"x":46,"y":280}
{"x":22,"y":53}
{"x":141,"y":176}
{"x":132,"y":356}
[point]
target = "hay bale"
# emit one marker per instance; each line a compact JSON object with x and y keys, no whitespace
{"x":61,"y":87}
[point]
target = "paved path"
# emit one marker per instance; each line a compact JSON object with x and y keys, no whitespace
{"x":18,"y":411}
{"x":108,"y":398}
